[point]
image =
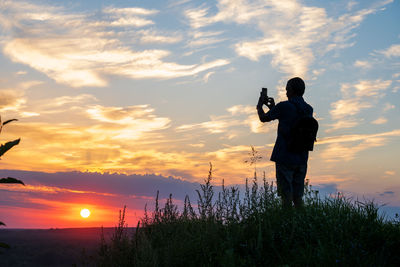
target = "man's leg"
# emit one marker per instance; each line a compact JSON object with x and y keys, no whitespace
{"x":284,"y":178}
{"x":299,"y":176}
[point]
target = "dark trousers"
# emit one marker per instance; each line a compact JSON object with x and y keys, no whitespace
{"x":290,"y":182}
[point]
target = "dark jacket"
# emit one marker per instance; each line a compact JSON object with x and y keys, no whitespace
{"x":287,"y":114}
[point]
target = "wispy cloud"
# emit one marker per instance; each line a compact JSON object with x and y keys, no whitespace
{"x":207,"y":76}
{"x":293,"y":46}
{"x":11,"y":100}
{"x":204,"y":38}
{"x":130,"y":11}
{"x":356,"y":97}
{"x":358,"y":137}
{"x":127,"y":123}
{"x":153,"y":36}
{"x":348,"y":107}
{"x":380,"y":120}
{"x":342,"y":123}
{"x":390,"y":173}
{"x":388,"y":107}
{"x":339,"y":152}
{"x":77,"y":51}
{"x":347,"y":147}
{"x":240,"y":115}
{"x":215,"y":125}
{"x":392,"y":51}
{"x":363,"y":64}
{"x":43,"y":189}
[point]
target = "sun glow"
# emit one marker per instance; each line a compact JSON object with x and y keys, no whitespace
{"x":85,"y":213}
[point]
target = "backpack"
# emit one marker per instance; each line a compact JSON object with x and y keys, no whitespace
{"x":303,"y":134}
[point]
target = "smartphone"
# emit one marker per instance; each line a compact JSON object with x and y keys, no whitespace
{"x":264,"y":91}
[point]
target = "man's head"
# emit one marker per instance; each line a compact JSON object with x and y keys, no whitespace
{"x":295,"y":87}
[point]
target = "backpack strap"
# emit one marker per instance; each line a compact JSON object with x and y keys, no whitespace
{"x":300,"y":111}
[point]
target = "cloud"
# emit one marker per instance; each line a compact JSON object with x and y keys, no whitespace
{"x":241,"y":109}
{"x":341,"y":124}
{"x":43,"y":189}
{"x":239,"y":115}
{"x":84,"y":61}
{"x":207,"y":76}
{"x":363,"y":64}
{"x":358,"y":137}
{"x":11,"y":100}
{"x":77,"y":133}
{"x":338,"y":152}
{"x":386,"y":193}
{"x":75,"y":50}
{"x":293,"y":46}
{"x":132,"y":16}
{"x":174,"y":3}
{"x":197,"y":145}
{"x":356,"y":97}
{"x":371,"y":88}
{"x":215,"y":125}
{"x":152,"y":36}
{"x":351,"y":4}
{"x":392,"y":51}
{"x":144,"y":186}
{"x":285,"y":56}
{"x":133,"y":121}
{"x":317,"y":73}
{"x":204,"y":38}
{"x":66,"y":61}
{"x":252,"y":119}
{"x":346,"y":147}
{"x":130,"y":11}
{"x":380,"y":120}
{"x":347,"y":107}
{"x":121,"y":115}
{"x":388,"y":107}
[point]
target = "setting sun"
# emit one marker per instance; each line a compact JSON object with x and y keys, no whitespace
{"x":85,"y":213}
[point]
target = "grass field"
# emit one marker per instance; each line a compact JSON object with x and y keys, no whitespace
{"x":230,"y":229}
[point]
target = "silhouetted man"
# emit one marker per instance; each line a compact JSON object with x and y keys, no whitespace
{"x":291,"y":167}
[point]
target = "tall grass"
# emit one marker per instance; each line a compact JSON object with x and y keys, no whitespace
{"x":254,"y":230}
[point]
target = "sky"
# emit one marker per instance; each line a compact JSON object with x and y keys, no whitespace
{"x":118,"y":99}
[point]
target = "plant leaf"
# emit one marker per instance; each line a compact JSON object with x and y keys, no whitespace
{"x":9,"y":121}
{"x":7,"y":146}
{"x":10,"y":180}
{"x":4,"y":245}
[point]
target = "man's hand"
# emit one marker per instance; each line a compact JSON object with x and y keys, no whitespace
{"x":270,"y":102}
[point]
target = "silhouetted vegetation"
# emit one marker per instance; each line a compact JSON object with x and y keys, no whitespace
{"x":9,"y":180}
{"x":254,"y":230}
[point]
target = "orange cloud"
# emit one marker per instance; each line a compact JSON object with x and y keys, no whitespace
{"x":346,"y":147}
